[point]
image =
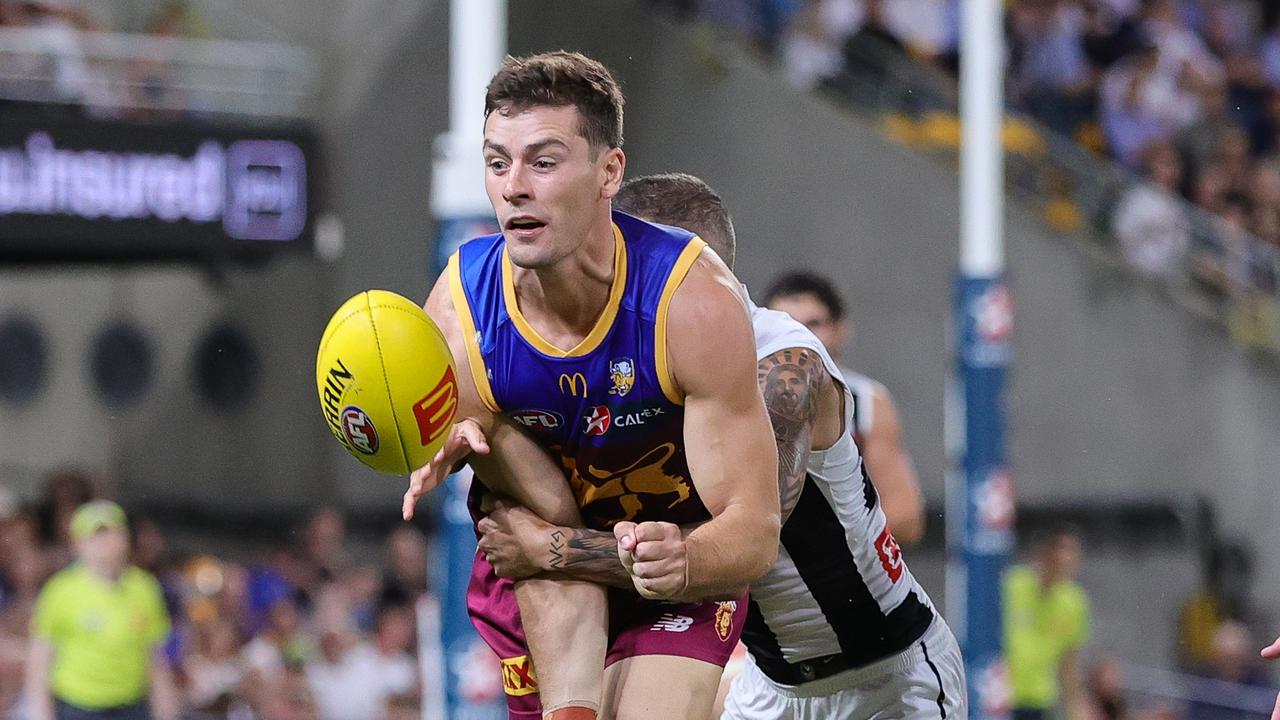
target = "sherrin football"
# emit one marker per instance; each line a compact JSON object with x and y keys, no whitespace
{"x":386,"y":379}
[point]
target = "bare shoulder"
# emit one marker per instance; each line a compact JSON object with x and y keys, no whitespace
{"x":442,"y":310}
{"x":709,"y":294}
{"x":709,"y":341}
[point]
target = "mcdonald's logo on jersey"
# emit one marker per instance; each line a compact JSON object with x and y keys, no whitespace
{"x":575,"y":384}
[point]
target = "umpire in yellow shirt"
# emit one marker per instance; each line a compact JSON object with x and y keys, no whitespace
{"x":97,"y":631}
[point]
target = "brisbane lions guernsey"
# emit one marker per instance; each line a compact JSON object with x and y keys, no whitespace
{"x":607,"y":410}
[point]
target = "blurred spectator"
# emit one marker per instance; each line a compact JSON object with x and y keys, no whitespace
{"x":1232,"y":661}
{"x":1051,"y":76}
{"x":1108,"y":34}
{"x":1105,"y":686}
{"x":214,"y":670}
{"x":352,"y":680}
{"x":281,"y":644}
{"x":97,"y":629}
{"x":394,"y":641}
{"x":64,"y":492}
{"x":1133,"y":103}
{"x":1199,"y":142}
{"x":1150,"y":222}
{"x":1046,"y":622}
{"x":869,"y":52}
{"x":1223,"y":596}
{"x":810,"y":49}
{"x":324,"y":554}
{"x":154,"y":83}
{"x":404,"y":573}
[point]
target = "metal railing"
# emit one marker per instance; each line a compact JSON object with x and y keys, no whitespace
{"x":120,"y":74}
{"x":1179,"y":691}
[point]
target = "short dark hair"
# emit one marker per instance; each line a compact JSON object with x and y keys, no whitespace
{"x":558,"y":79}
{"x":804,"y":282}
{"x":682,"y":200}
{"x":1051,"y":532}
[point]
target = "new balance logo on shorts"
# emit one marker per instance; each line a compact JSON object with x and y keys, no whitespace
{"x":673,"y":623}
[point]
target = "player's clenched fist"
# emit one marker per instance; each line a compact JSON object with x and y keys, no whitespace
{"x":465,"y":437}
{"x":655,"y":555}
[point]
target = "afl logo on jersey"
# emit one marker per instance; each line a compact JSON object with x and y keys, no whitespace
{"x":622,"y":372}
{"x":359,"y":430}
{"x":598,"y":421}
{"x":538,"y":419}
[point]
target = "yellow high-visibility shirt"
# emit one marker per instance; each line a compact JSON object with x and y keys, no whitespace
{"x":1040,"y":624}
{"x":102,"y":633}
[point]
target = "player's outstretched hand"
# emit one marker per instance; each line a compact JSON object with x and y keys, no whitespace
{"x":465,"y":437}
{"x":513,"y":540}
{"x":1272,"y":651}
{"x":655,"y":556}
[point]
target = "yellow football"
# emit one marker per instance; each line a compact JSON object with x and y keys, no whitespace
{"x":386,"y":379}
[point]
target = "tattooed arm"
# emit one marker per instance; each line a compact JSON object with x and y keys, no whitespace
{"x":519,"y":544}
{"x":793,"y":381}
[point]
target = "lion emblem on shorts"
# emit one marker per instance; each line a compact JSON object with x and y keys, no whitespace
{"x":724,"y":619}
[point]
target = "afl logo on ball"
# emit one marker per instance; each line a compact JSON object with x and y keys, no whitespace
{"x":359,"y":431}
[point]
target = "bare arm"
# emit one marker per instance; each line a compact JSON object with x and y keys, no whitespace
{"x":1074,"y":699}
{"x":891,"y":470}
{"x":165,"y":703}
{"x":733,"y":461}
{"x":520,"y":544}
{"x":792,"y":380}
{"x":39,"y":660}
{"x":565,"y":623}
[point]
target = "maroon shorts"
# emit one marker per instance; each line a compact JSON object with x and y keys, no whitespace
{"x":706,"y":631}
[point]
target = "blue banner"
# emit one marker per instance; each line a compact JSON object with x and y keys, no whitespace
{"x":984,"y":323}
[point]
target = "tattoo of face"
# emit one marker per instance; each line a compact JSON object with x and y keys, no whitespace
{"x":791,"y":381}
{"x":787,"y":379}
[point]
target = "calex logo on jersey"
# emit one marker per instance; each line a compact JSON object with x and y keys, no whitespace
{"x":601,"y":419}
{"x":622,"y":372}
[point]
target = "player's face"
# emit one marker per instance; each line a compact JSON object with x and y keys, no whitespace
{"x":810,"y":312}
{"x":545,"y":183}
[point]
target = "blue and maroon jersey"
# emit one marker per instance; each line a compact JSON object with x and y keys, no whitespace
{"x":607,"y":409}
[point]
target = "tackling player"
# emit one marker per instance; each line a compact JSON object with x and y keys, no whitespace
{"x":624,"y":350}
{"x":838,"y":627}
{"x":813,"y":301}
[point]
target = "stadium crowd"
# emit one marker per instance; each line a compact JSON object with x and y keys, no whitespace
{"x":302,"y":630}
{"x":1183,"y":93}
{"x":138,"y":88}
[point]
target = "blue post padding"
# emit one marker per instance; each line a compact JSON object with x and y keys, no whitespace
{"x":984,"y":323}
